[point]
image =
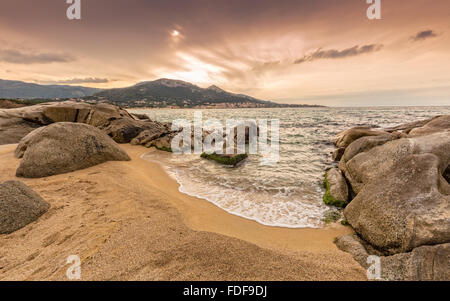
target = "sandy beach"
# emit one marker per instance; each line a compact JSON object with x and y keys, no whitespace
{"x":128,"y":221}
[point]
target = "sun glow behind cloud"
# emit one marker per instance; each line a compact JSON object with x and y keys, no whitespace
{"x":193,"y":70}
{"x":238,"y":46}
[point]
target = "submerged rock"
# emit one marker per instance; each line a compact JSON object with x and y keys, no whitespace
{"x":231,"y":160}
{"x":19,"y":206}
{"x":64,"y":147}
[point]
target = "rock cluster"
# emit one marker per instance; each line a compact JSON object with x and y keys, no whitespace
{"x":399,"y":193}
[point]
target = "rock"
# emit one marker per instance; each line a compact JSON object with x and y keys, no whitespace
{"x":426,"y":263}
{"x":19,"y":206}
{"x":331,"y":216}
{"x":250,"y":129}
{"x":365,"y":144}
{"x":407,"y":127}
{"x":231,"y":160}
{"x":140,"y":116}
{"x":17,"y":123}
{"x":405,"y":207}
{"x":365,"y":166}
{"x":352,"y":244}
{"x":145,"y":137}
{"x":438,"y":124}
{"x":402,"y":205}
{"x":12,"y":129}
{"x":338,"y":153}
{"x":336,"y":193}
{"x":163,"y":143}
{"x":345,"y":138}
{"x":65,"y":147}
{"x":124,"y":130}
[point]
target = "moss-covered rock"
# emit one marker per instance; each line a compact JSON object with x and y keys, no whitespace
{"x":164,"y":149}
{"x":329,"y":197}
{"x":225,"y":159}
{"x":331,"y":216}
{"x":345,"y":222}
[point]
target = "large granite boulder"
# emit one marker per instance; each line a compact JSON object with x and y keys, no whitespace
{"x":368,"y":165}
{"x":64,"y":147}
{"x":401,"y":205}
{"x":19,"y":206}
{"x":408,"y":127}
{"x":405,"y":207}
{"x":365,"y":144}
{"x":439,"y":124}
{"x":345,"y":138}
{"x":402,"y":197}
{"x":426,"y":263}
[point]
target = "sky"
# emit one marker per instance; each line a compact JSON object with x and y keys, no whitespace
{"x":289,"y":51}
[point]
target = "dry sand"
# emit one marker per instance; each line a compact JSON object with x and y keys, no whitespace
{"x":128,"y":221}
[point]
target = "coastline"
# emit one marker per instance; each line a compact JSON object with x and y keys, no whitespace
{"x":203,"y":215}
{"x":129,"y":221}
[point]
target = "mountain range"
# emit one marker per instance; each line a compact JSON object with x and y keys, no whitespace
{"x":22,"y":90}
{"x":159,"y":93}
{"x":166,"y":92}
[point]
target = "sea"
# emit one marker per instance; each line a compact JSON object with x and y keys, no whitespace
{"x":289,"y":193}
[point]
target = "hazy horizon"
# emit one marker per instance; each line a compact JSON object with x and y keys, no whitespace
{"x":313,"y":52}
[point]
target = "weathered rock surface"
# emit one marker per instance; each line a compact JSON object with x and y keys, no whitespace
{"x":19,"y":206}
{"x":403,"y":208}
{"x":401,"y":205}
{"x":16,"y":123}
{"x":139,"y":116}
{"x":426,"y":263}
{"x":438,"y":124}
{"x":337,"y":189}
{"x":124,"y":130}
{"x":64,"y":147}
{"x":122,"y":126}
{"x":366,"y":166}
{"x":338,"y":153}
{"x":346,"y":137}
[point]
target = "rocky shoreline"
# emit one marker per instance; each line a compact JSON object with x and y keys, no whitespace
{"x":394,"y":185}
{"x":62,"y":137}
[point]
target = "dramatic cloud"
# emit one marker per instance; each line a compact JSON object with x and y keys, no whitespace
{"x":87,"y":80}
{"x":235,"y":44}
{"x":423,"y":35}
{"x":339,"y":54}
{"x":13,"y":56}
